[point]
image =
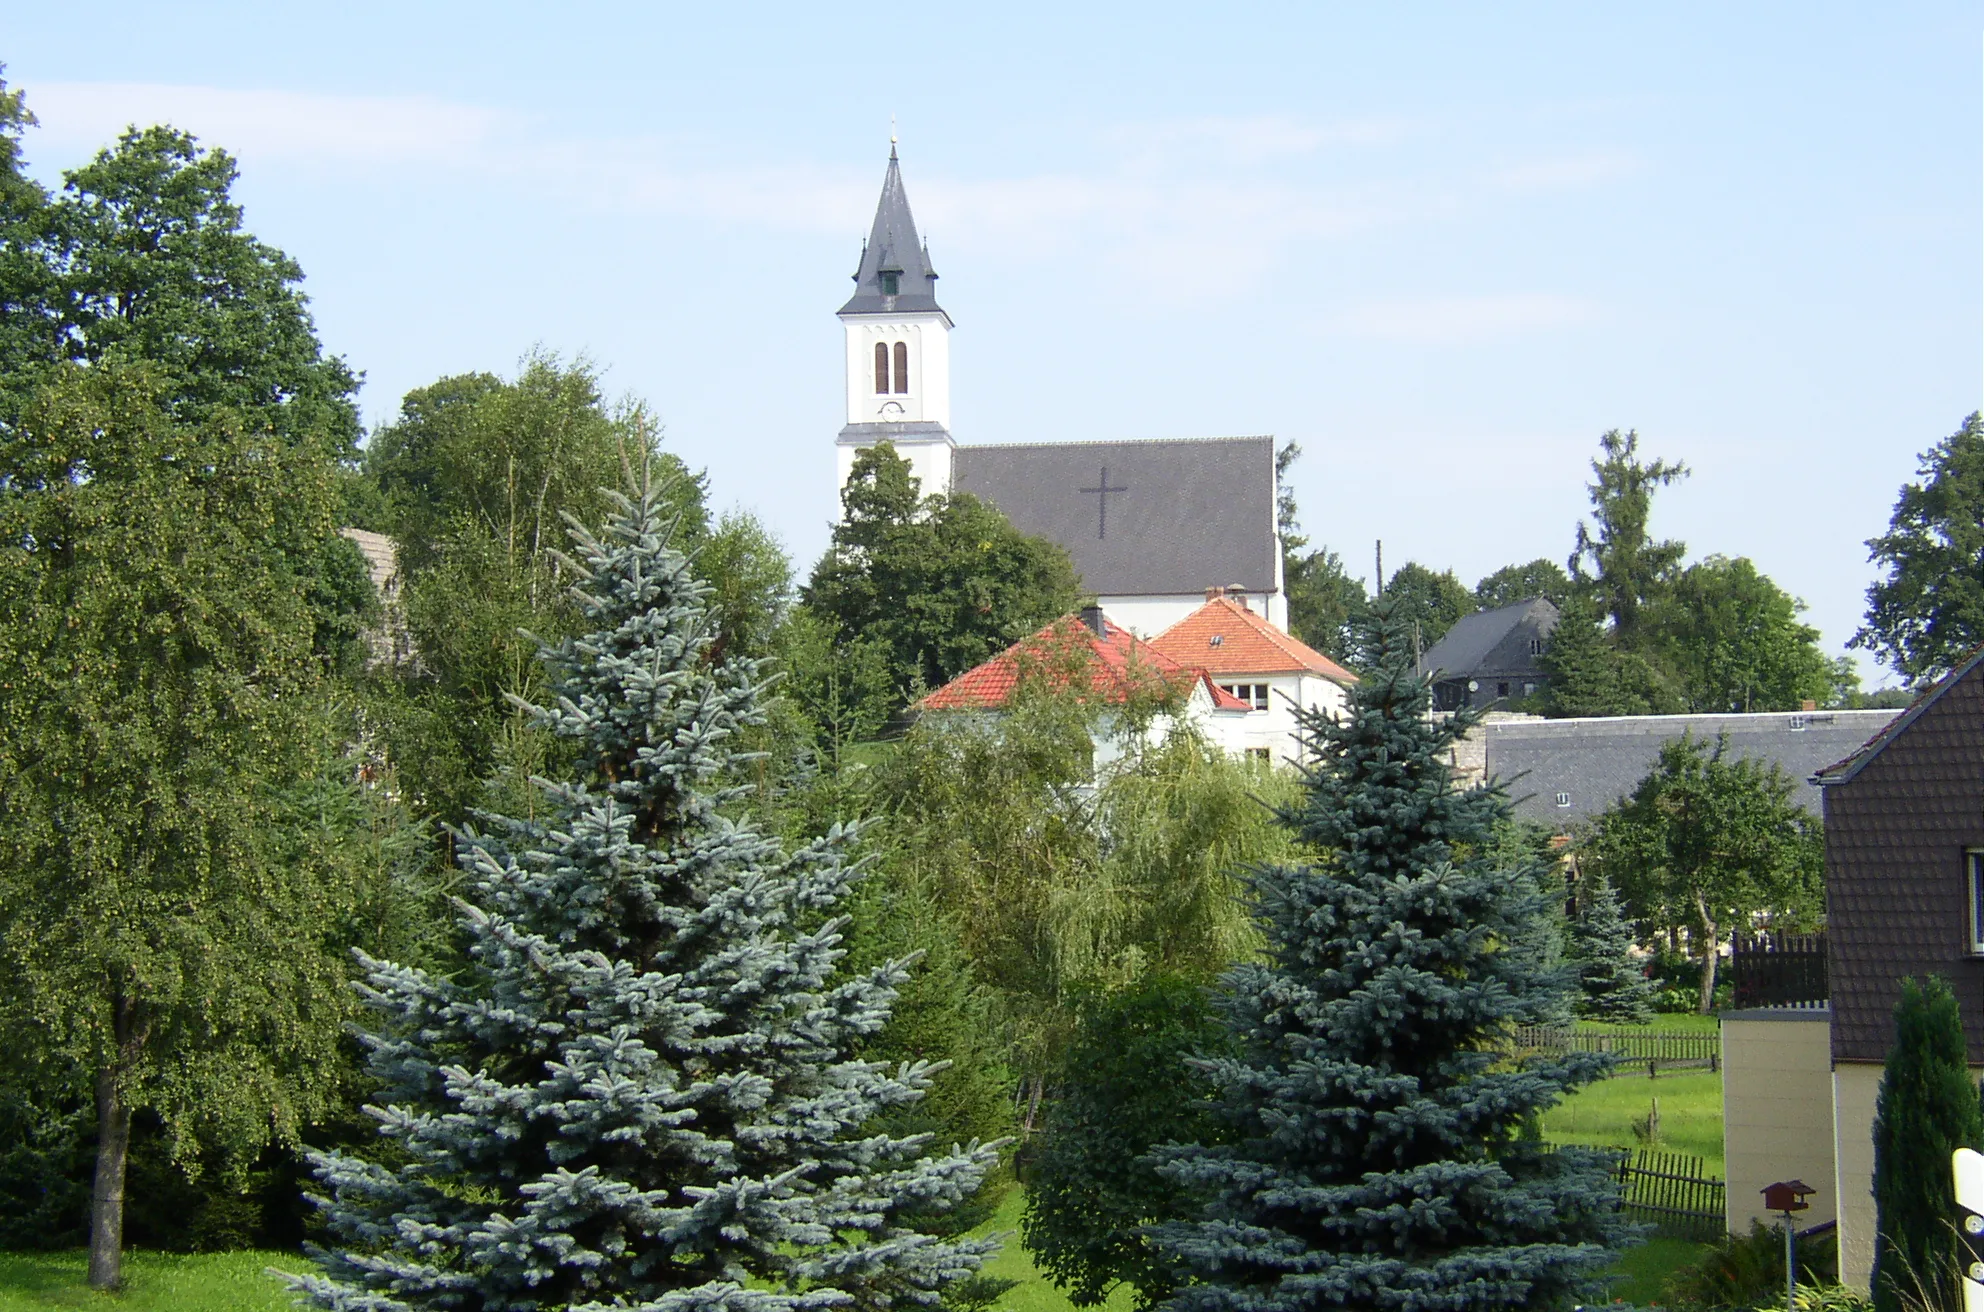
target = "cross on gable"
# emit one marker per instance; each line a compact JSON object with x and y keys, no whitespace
{"x":1101,"y":491}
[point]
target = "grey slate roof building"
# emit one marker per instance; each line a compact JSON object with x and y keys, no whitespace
{"x":895,"y":274}
{"x":1492,"y":657}
{"x":1140,"y":518}
{"x":1562,"y":771}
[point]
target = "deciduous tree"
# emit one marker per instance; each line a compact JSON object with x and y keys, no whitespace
{"x":1710,"y":843}
{"x":1734,"y":642}
{"x":1513,"y":583}
{"x":944,"y":580}
{"x":161,"y":701}
{"x":1927,"y":614}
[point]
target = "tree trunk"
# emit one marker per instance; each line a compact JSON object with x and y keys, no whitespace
{"x":1711,"y":942}
{"x":113,"y":1148}
{"x":113,"y":1143}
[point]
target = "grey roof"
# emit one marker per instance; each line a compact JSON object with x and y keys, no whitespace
{"x":1596,"y":762}
{"x":1178,"y":516}
{"x":892,"y":248}
{"x":1464,"y":648}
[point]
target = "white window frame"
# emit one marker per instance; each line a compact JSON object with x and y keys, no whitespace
{"x":1973,"y":887}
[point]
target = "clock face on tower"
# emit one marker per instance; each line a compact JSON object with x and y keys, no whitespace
{"x":892,"y":411}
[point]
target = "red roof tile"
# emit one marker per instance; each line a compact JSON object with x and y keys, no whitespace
{"x":1226,"y":639}
{"x":1116,"y":659}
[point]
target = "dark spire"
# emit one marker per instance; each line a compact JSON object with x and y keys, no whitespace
{"x":893,"y":257}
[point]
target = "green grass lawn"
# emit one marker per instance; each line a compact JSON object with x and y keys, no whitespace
{"x":153,"y":1282}
{"x":1668,"y":1022}
{"x":1603,"y":1114}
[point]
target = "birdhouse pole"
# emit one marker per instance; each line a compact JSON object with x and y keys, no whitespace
{"x":1786,"y":1197}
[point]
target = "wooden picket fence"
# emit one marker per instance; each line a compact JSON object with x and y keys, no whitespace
{"x":1637,"y":1050}
{"x":1675,"y":1193}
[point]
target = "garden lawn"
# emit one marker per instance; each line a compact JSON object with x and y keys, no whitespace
{"x":153,"y":1282}
{"x":1602,"y":1114}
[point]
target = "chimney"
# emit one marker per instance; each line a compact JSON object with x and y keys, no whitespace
{"x":1092,"y":620}
{"x":1237,"y":594}
{"x":1215,"y":592}
{"x":1808,"y":705}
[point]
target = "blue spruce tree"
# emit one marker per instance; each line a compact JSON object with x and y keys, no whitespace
{"x":639,"y":1094}
{"x":1383,"y":1149}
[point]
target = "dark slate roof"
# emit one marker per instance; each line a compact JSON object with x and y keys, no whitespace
{"x":1599,"y":761}
{"x":892,"y":248}
{"x":1179,"y":516}
{"x":1467,"y":646}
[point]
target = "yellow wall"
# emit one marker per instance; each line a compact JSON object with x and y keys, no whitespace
{"x":1777,"y":1110}
{"x":1854,"y":1087}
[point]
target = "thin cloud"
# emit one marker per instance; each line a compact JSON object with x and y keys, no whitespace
{"x":287,"y":125}
{"x":1449,"y":320}
{"x":1560,"y":172}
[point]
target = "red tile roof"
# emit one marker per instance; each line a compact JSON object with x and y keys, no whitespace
{"x":1116,"y":658}
{"x":1226,"y":639}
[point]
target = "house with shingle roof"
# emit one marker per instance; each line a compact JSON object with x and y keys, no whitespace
{"x":1270,"y":672}
{"x":1904,"y":881}
{"x":1492,"y":658}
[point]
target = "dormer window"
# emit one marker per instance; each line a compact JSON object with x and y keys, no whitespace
{"x":891,"y":282}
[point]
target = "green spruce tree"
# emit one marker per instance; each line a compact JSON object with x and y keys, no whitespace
{"x":1383,"y":1153}
{"x":1611,"y":987}
{"x":1927,"y":1109}
{"x":640,"y":1094}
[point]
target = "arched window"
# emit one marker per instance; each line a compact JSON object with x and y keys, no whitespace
{"x":902,"y":366}
{"x":881,"y":368}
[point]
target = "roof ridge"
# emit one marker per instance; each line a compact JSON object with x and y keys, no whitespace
{"x":1119,"y":441}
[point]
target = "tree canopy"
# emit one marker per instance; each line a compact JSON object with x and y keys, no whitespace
{"x":1710,"y":843}
{"x":1927,"y":614}
{"x":1513,"y":583}
{"x":1734,"y":641}
{"x":1427,"y":602}
{"x":1620,"y":561}
{"x":944,"y":581}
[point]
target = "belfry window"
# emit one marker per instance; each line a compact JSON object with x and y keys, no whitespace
{"x":891,"y":283}
{"x":881,"y":368}
{"x":902,"y":366}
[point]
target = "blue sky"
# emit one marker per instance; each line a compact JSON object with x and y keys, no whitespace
{"x":1441,"y":246}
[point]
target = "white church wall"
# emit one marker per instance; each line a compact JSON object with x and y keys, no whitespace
{"x":928,"y":399}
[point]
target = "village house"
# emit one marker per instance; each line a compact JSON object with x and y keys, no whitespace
{"x":1904,"y":821}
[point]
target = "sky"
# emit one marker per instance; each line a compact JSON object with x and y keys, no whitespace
{"x":1441,"y":247}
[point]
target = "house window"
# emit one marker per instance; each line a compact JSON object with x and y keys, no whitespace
{"x":1260,"y":754}
{"x":1254,"y":694}
{"x":1797,"y":722}
{"x":902,"y":366}
{"x":1529,"y":690}
{"x":1975,"y":880}
{"x":881,"y":368}
{"x":1501,"y":690}
{"x":1563,"y":799}
{"x":891,"y":283}
{"x":1536,"y":646}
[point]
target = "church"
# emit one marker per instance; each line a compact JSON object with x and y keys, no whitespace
{"x":1153,"y":525}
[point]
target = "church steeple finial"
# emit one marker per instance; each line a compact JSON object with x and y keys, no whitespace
{"x":895,"y":276}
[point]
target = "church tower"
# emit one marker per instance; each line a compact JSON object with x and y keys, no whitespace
{"x":898,"y":348}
